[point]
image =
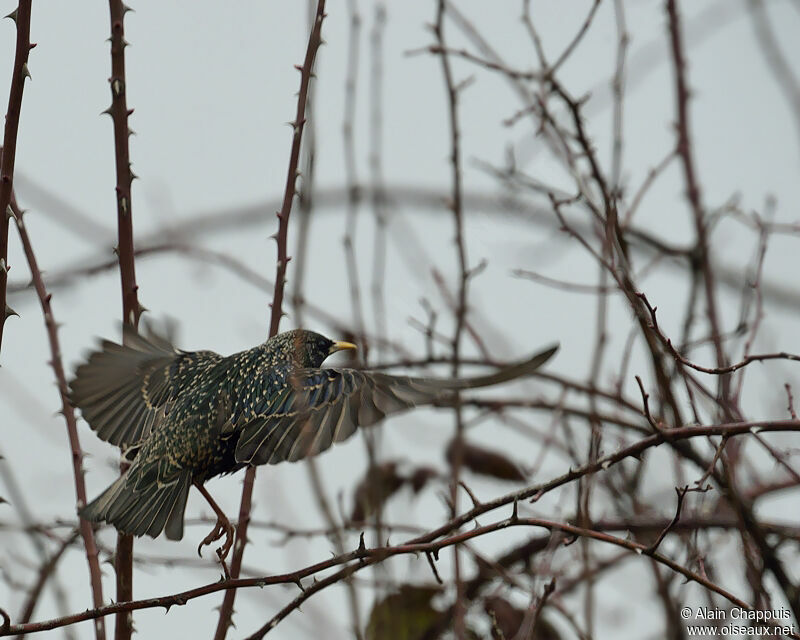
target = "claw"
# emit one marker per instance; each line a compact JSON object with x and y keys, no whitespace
{"x":215,"y":535}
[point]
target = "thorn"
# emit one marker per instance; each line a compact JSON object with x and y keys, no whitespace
{"x":32,"y":45}
{"x":116,"y":251}
{"x":25,"y":72}
{"x":126,"y":8}
{"x":361,"y":546}
{"x":106,"y":112}
{"x":300,"y":585}
{"x":10,"y":312}
{"x":130,"y":112}
{"x":117,"y":87}
{"x":514,"y":512}
{"x":10,"y":213}
{"x":12,"y":15}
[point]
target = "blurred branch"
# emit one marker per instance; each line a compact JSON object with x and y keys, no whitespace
{"x":414,"y":197}
{"x":45,"y":573}
{"x":685,"y":152}
{"x":777,"y":63}
{"x":456,"y":449}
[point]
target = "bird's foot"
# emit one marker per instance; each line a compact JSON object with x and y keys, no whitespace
{"x":222,"y":528}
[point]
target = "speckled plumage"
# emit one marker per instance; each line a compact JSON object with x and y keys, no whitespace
{"x":184,"y":417}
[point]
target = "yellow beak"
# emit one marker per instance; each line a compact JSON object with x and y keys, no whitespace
{"x":341,"y":346}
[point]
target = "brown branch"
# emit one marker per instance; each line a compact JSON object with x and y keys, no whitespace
{"x":364,"y":557}
{"x":306,"y":73}
{"x":67,"y":411}
{"x":22,"y":18}
{"x":131,"y":309}
{"x":119,"y":116}
{"x":426,"y":542}
{"x":790,"y":408}
{"x":667,"y":342}
{"x":369,"y":557}
{"x":681,"y":495}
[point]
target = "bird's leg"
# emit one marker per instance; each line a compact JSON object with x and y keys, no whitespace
{"x":222,"y":528}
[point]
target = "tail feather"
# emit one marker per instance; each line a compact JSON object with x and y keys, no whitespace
{"x":144,"y":510}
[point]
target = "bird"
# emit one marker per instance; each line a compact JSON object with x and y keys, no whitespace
{"x":183,"y":417}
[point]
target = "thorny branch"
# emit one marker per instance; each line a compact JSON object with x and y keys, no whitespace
{"x":22,"y":19}
{"x":56,"y":362}
{"x":131,"y":308}
{"x":306,"y":74}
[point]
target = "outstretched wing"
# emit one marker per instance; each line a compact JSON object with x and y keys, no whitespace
{"x":121,"y":390}
{"x":323,"y":406}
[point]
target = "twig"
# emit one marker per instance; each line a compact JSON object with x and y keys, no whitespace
{"x":710,"y":370}
{"x":682,"y":491}
{"x":790,"y":398}
{"x":528,"y":626}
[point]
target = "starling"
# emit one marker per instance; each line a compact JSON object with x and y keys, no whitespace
{"x":182,"y":417}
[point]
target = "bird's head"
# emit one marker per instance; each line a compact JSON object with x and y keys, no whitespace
{"x":309,"y":349}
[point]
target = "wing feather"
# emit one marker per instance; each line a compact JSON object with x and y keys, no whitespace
{"x":323,"y":406}
{"x":121,"y":387}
